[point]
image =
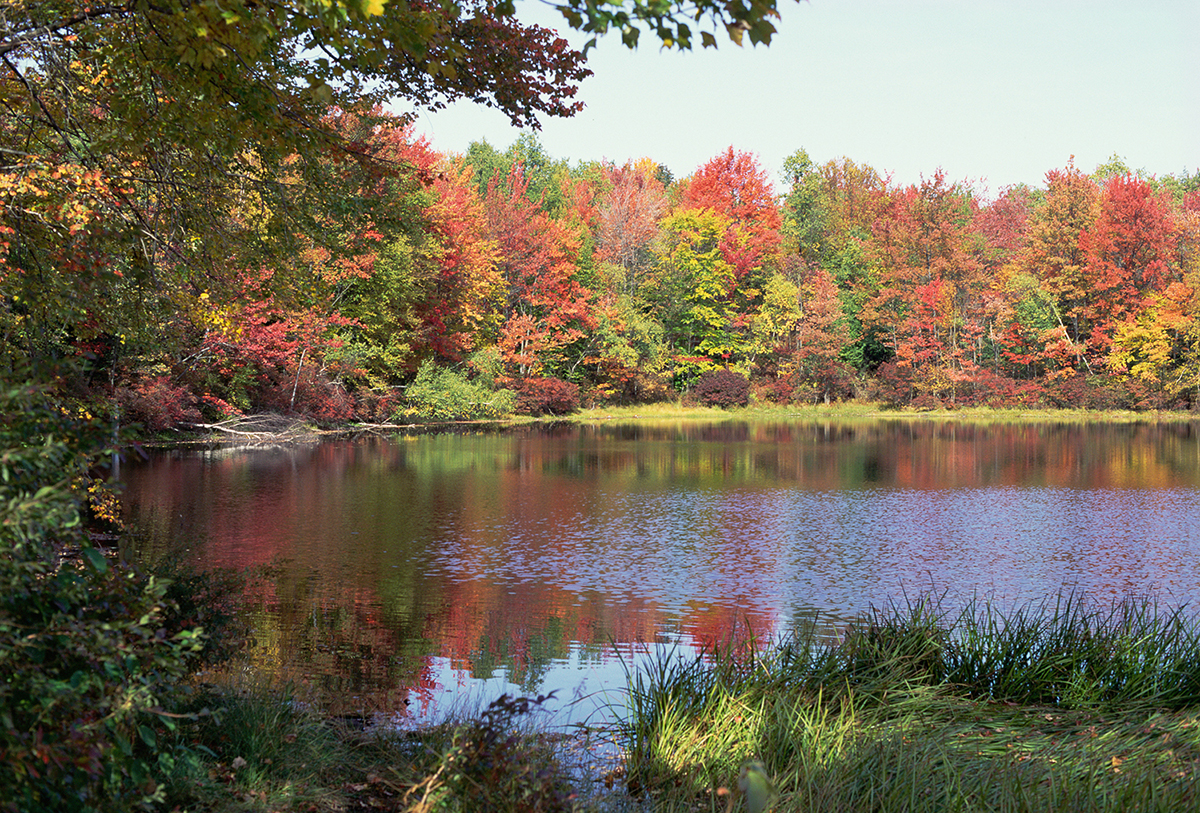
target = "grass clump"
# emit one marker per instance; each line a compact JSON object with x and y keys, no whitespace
{"x":494,"y":763}
{"x":1062,"y":705}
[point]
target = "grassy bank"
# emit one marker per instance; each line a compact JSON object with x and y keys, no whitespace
{"x":1064,"y":705}
{"x":849,"y":412}
{"x":258,"y":750}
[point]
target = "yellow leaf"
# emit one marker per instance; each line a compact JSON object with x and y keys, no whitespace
{"x":373,"y":8}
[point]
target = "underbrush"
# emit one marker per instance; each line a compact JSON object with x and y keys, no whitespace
{"x":267,"y":751}
{"x":1058,"y":706}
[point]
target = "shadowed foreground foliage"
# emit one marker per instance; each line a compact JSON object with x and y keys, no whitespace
{"x":1055,"y":706}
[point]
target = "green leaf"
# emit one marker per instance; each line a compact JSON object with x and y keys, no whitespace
{"x":96,"y":560}
{"x":147,"y":735}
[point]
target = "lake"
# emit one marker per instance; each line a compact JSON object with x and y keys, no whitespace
{"x":419,"y":573}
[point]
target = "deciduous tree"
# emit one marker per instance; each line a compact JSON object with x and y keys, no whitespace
{"x":1127,"y":251}
{"x":1054,"y":254}
{"x":545,"y":309}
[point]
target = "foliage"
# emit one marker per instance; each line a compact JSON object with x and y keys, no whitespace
{"x":258,"y":746}
{"x":270,"y":749}
{"x":441,"y":394}
{"x":205,"y":207}
{"x":273,"y":358}
{"x":628,"y":221}
{"x":670,"y":21}
{"x":722,"y":388}
{"x":90,"y":650}
{"x":157,"y":404}
{"x":692,"y":285}
{"x":924,"y":295}
{"x":547,"y":396}
{"x":1127,"y":252}
{"x":734,"y":186}
{"x":545,"y":309}
{"x":208,"y":599}
{"x":153,"y":152}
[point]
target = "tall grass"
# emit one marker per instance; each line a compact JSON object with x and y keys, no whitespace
{"x":1059,"y":705}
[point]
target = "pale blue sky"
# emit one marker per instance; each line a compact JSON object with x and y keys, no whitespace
{"x":993,"y":91}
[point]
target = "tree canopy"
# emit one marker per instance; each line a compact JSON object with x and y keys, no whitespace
{"x":263,"y":61}
{"x":154,"y":145}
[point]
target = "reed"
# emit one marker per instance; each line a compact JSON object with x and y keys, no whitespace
{"x":1057,"y":705}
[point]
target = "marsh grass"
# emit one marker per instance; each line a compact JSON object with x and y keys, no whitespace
{"x":1059,"y":705}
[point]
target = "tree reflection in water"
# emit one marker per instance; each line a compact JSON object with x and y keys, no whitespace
{"x":425,"y":567}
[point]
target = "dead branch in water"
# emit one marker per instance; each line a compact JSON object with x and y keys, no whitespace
{"x":264,"y":427}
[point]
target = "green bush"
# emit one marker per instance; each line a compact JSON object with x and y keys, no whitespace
{"x":439,"y":394}
{"x":87,"y":665}
{"x":497,"y":764}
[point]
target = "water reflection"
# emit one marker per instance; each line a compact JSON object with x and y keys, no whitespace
{"x":411,"y":568}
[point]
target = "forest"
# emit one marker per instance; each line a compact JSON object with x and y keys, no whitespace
{"x":396,"y":282}
{"x":183,"y":241}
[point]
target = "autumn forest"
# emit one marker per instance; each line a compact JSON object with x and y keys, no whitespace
{"x":395,"y":282}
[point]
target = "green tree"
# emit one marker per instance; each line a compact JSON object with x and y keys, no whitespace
{"x":692,"y":286}
{"x":805,"y":219}
{"x":543,"y":174}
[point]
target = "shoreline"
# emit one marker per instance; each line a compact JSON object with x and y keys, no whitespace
{"x":288,"y":430}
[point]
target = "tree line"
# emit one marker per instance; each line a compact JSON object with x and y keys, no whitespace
{"x":393,"y":281}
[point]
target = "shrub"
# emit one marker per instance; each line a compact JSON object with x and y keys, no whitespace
{"x":1088,"y":392}
{"x":926,"y":402}
{"x":628,"y":385}
{"x":157,"y":404}
{"x":722,"y":388}
{"x":86,"y":659}
{"x":892,"y":385}
{"x":547,"y":396}
{"x":217,"y":409}
{"x":998,"y":391}
{"x":439,"y":394}
{"x":496,"y":764}
{"x":376,"y":405}
{"x":775,"y":390}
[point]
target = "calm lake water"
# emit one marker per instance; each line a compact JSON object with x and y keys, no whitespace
{"x":417,"y":573}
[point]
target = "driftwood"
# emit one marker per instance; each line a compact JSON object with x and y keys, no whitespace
{"x":267,"y":427}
